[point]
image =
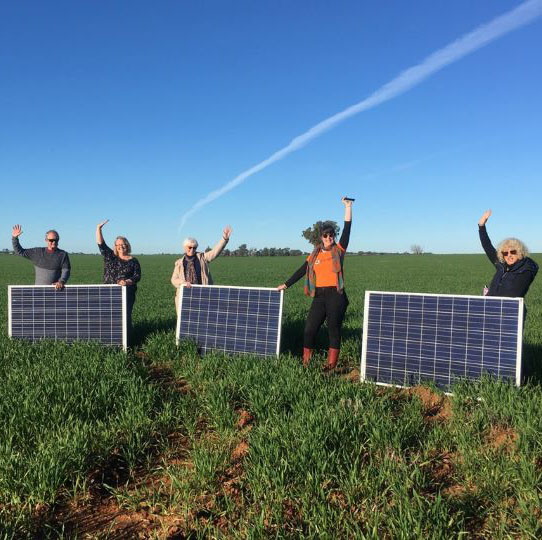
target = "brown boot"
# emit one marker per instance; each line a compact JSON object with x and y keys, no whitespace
{"x":307,"y":353}
{"x":332,"y":357}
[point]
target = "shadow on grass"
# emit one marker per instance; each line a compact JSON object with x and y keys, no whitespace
{"x":532,"y":363}
{"x":142,"y":329}
{"x":292,"y":337}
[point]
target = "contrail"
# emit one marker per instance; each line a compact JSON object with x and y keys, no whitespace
{"x":500,"y":26}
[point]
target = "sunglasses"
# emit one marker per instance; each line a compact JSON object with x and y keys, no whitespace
{"x":52,"y":240}
{"x":328,"y":235}
{"x":191,"y":247}
{"x":512,"y":252}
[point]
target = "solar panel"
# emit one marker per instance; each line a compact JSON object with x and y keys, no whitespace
{"x":409,"y":338}
{"x":77,"y":312}
{"x":231,"y":319}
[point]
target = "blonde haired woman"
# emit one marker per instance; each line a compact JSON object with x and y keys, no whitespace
{"x":120,"y":267}
{"x":515,"y":271}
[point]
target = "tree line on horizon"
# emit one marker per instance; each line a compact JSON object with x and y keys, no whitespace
{"x":312,"y":234}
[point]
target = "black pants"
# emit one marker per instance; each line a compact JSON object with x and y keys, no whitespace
{"x":130,"y":301}
{"x":328,"y":305}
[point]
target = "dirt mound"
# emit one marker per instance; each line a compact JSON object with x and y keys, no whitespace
{"x":92,"y":518}
{"x":240,"y":451}
{"x":164,"y":376}
{"x":352,"y":376}
{"x":436,"y":407}
{"x":502,"y":438}
{"x":246,"y":420}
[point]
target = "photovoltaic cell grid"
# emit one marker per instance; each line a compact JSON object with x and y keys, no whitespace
{"x":231,"y":319}
{"x":410,"y":338}
{"x":77,"y":312}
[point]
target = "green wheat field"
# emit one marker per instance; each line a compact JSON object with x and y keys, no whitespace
{"x":161,"y":443}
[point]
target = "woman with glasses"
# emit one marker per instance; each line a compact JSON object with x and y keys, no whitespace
{"x":120,"y":268}
{"x":193,"y":267}
{"x":323,"y":271}
{"x":515,"y":271}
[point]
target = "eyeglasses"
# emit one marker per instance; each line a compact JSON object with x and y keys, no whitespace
{"x":512,"y":252}
{"x":328,"y":235}
{"x":121,"y":245}
{"x":52,"y":240}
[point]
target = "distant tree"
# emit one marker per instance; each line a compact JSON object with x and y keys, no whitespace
{"x":265,"y":252}
{"x":313,"y":234}
{"x":295,"y":252}
{"x":416,"y":249}
{"x":241,"y":251}
{"x":226,"y":253}
{"x":208,"y":248}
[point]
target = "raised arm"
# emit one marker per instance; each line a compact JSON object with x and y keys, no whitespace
{"x":484,"y":238}
{"x":99,"y":235}
{"x":345,"y":236}
{"x":347,"y":208}
{"x":217,"y":250}
{"x":17,"y":248}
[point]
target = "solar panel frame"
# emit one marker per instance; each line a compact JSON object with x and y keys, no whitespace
{"x":231,"y":287}
{"x":67,"y":290}
{"x":517,"y":341}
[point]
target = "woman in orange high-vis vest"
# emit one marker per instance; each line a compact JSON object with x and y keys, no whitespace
{"x":323,"y":271}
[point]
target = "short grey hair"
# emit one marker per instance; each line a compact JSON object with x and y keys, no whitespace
{"x":52,"y":231}
{"x":190,"y":240}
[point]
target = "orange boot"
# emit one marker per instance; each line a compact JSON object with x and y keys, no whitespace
{"x":332,"y":358}
{"x":307,"y":353}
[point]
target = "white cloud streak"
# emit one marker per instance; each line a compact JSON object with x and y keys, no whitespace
{"x":483,"y":35}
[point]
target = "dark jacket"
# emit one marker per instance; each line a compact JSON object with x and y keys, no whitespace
{"x":512,"y":281}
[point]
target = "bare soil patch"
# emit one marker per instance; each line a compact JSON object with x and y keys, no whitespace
{"x":246,"y":420}
{"x":436,"y":407}
{"x":164,"y":376}
{"x":352,"y":375}
{"x":502,"y":438}
{"x":99,"y":514}
{"x":102,"y":516}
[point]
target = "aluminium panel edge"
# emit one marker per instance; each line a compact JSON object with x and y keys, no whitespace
{"x":279,"y":336}
{"x":363,"y":365}
{"x":178,"y":308}
{"x":519,"y":356}
{"x":9,"y":312}
{"x":125,"y":328}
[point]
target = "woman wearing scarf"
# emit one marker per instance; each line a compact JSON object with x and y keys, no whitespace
{"x":193,"y":267}
{"x":323,"y":271}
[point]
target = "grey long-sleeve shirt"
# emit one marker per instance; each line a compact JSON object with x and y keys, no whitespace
{"x":50,"y":266}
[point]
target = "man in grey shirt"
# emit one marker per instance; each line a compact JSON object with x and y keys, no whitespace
{"x":52,"y":265}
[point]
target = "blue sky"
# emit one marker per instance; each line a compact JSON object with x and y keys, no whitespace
{"x":134,"y":111}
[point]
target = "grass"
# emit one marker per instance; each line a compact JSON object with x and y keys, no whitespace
{"x":249,"y":447}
